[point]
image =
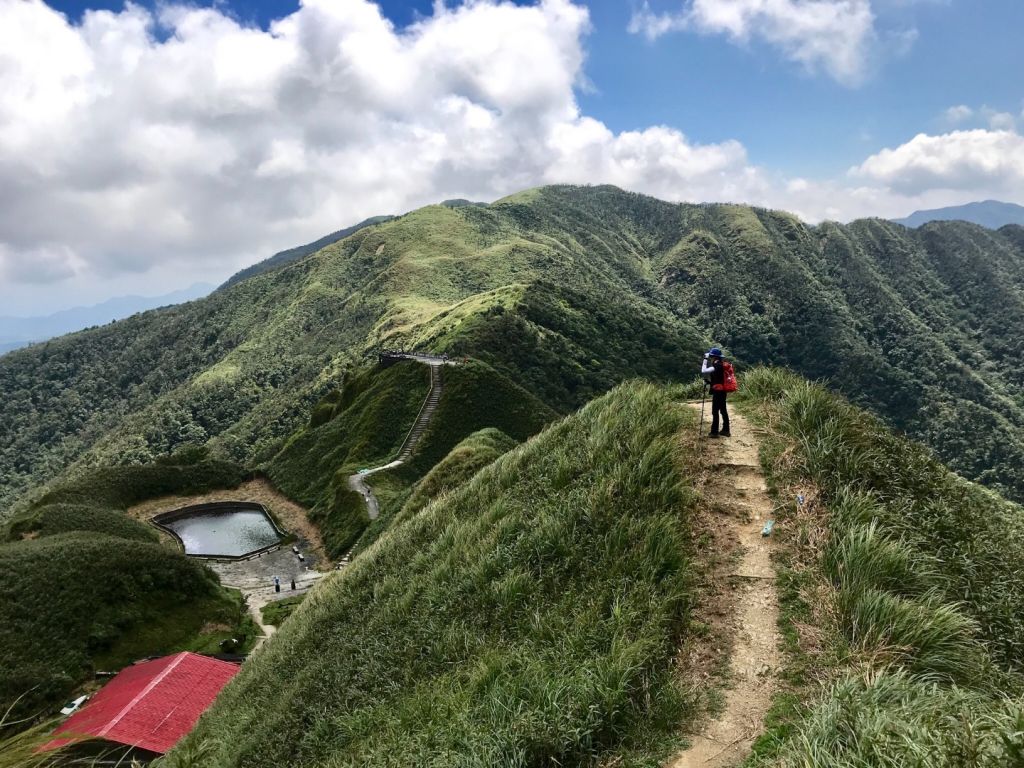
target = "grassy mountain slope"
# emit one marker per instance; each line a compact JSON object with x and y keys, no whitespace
{"x":528,"y":617}
{"x":907,"y":574}
{"x":462,"y":462}
{"x":283,"y":258}
{"x":566,"y":291}
{"x":364,"y":423}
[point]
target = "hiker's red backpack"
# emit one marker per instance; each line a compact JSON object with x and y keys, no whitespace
{"x":728,"y":379}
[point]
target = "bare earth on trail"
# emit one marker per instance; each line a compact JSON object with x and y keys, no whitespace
{"x":736,"y":484}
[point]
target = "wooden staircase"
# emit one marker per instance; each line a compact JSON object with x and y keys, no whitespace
{"x":423,"y":417}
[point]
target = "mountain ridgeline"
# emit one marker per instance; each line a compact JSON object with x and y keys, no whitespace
{"x":988,"y":213}
{"x":564,"y":291}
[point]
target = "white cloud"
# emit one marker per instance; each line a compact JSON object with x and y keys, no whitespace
{"x":40,"y":265}
{"x":836,"y":36}
{"x":130,"y":141}
{"x":999,"y":121}
{"x":958,"y":114}
{"x":975,"y":160}
{"x":653,"y":25}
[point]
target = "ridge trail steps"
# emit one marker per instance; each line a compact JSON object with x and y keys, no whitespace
{"x":357,"y":482}
{"x":736,"y":483}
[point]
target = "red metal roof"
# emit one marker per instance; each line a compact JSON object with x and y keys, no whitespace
{"x":151,"y":705}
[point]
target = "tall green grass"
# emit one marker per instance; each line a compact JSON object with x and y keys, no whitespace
{"x":529,"y":617}
{"x":462,"y":462}
{"x":927,"y":597}
{"x":870,"y":475}
{"x":889,"y":719}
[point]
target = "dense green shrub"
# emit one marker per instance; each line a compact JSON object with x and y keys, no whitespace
{"x":122,"y":487}
{"x":279,"y":610}
{"x":52,"y":519}
{"x":67,"y":598}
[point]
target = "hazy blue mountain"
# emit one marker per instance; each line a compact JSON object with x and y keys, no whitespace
{"x":990,"y":213}
{"x":18,"y":332}
{"x":282,"y":258}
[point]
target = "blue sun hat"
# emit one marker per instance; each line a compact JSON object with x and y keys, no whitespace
{"x":714,"y":352}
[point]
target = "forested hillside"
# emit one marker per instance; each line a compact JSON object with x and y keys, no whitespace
{"x":565,"y":291}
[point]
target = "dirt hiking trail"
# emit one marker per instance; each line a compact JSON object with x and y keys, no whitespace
{"x":736,"y":487}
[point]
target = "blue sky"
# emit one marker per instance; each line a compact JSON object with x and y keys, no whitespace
{"x":146,"y":147}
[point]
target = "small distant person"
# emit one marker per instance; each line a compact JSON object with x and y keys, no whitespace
{"x":714,"y":368}
{"x":277,"y":584}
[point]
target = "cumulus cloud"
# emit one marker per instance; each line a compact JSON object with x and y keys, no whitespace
{"x":831,"y":35}
{"x":987,"y":160}
{"x":139,"y":138}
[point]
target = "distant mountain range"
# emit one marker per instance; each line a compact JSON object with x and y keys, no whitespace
{"x":989,"y":213}
{"x":18,"y":332}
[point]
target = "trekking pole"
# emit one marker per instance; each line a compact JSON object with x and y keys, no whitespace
{"x":700,"y":429}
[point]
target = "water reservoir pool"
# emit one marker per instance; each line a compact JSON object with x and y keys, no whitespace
{"x":224,"y":530}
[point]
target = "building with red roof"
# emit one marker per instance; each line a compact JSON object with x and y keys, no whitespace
{"x":150,"y":705}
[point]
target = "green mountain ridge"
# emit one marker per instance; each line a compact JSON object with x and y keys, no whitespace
{"x":566,"y":291}
{"x":285,"y":257}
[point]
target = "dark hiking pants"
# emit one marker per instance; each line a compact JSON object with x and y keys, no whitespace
{"x":718,"y":407}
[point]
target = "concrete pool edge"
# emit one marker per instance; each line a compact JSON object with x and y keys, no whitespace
{"x":196,"y":510}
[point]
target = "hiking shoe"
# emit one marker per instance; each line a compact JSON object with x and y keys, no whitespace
{"x":725,"y":434}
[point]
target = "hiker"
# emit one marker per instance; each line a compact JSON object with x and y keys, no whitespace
{"x":713,"y":368}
